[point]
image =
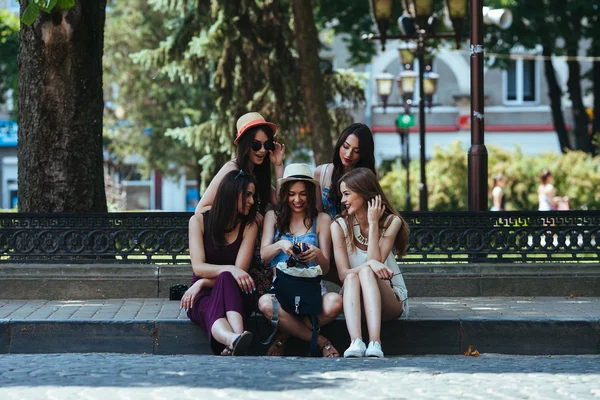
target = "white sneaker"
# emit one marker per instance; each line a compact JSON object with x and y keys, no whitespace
{"x":357,"y":349}
{"x":374,"y":350}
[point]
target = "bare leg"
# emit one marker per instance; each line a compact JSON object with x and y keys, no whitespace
{"x":372,"y":303}
{"x":236,"y":321}
{"x":352,"y":305}
{"x":289,"y":324}
{"x":391,"y":307}
{"x":222,"y":332}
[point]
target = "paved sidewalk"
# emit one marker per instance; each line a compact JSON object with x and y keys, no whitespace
{"x":120,"y":376}
{"x":516,"y":325}
{"x":578,"y":308}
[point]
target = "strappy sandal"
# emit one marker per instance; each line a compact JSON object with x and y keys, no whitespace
{"x":226,"y":351}
{"x":330,"y":350}
{"x":277,"y":349}
{"x":241,"y":344}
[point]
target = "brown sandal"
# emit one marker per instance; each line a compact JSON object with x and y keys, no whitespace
{"x":277,"y":349}
{"x":329,"y":351}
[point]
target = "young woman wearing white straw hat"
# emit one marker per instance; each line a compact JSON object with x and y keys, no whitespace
{"x":296,"y":221}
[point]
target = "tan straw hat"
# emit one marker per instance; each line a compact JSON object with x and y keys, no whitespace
{"x":297,"y":172}
{"x":250,"y":120}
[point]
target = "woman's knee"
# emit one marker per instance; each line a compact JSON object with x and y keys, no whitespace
{"x":366,"y":273}
{"x":265,"y":305}
{"x":226,"y":276}
{"x":332,"y":305}
{"x":352,"y":279}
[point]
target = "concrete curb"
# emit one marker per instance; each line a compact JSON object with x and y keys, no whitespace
{"x":525,"y":336}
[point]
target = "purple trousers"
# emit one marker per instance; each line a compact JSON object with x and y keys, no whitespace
{"x":213,"y":303}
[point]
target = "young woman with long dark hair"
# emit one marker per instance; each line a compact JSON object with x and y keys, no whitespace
{"x":256,"y":151}
{"x":355,"y":148}
{"x":221,"y":244}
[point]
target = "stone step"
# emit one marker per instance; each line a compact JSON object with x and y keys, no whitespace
{"x":440,"y":325}
{"x":106,"y":281}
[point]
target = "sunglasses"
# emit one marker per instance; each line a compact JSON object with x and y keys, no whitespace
{"x":268,"y":145}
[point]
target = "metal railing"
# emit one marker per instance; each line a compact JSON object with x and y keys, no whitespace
{"x":436,"y":237}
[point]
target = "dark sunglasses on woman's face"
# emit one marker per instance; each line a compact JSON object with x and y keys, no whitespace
{"x":268,"y":145}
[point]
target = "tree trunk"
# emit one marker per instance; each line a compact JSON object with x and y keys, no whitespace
{"x":582,"y":140}
{"x":596,"y":81}
{"x":555,"y":95}
{"x":311,"y":80}
{"x":60,"y":156}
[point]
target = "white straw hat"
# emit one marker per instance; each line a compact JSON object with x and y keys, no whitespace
{"x":297,"y":172}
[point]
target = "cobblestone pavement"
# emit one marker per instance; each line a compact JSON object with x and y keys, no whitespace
{"x":582,"y":308}
{"x":117,"y":376}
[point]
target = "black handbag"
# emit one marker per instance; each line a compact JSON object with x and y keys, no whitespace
{"x":299,"y":296}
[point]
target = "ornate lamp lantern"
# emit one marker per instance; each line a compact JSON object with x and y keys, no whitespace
{"x":407,"y":54}
{"x":382,"y":12}
{"x":457,"y":11}
{"x":420,"y":10}
{"x":385,"y":83}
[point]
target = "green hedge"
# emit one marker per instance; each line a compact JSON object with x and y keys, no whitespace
{"x":576,"y":174}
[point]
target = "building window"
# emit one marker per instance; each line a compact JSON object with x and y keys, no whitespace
{"x":521,"y":82}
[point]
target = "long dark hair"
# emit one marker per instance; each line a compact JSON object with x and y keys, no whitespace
{"x":224,"y":216}
{"x":283,"y":212}
{"x":364,"y":182}
{"x":261,"y":172}
{"x":367,"y":158}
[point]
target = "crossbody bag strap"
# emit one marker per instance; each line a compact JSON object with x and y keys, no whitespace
{"x":274,"y":319}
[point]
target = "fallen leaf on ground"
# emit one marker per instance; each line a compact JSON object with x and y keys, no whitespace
{"x":471,"y":352}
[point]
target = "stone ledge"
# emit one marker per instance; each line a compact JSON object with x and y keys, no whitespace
{"x":105,"y":281}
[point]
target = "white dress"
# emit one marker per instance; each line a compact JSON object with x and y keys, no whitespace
{"x":358,"y":257}
{"x":543,"y":198}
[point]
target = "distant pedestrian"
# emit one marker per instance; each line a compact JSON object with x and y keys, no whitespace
{"x":221,"y":243}
{"x":498,"y":197}
{"x":548,"y":200}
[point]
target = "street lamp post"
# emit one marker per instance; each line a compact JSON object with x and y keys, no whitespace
{"x":413,"y":28}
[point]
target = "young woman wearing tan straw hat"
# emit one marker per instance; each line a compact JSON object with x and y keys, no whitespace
{"x":255,"y":152}
{"x":296,"y":220}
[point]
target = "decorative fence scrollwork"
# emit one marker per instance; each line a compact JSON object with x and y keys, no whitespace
{"x":519,"y":236}
{"x":154,"y":237}
{"x":436,"y":237}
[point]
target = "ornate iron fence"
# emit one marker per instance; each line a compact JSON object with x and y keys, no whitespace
{"x":148,"y":237}
{"x":436,"y":237}
{"x":523,"y":236}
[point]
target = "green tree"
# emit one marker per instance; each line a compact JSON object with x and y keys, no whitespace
{"x":150,"y":101}
{"x":247,"y":51}
{"x":560,"y":27}
{"x":9,"y":48}
{"x":576,"y":175}
{"x":60,"y":157}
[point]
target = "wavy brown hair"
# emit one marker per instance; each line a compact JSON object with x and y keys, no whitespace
{"x":283,"y":212}
{"x":364,"y":182}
